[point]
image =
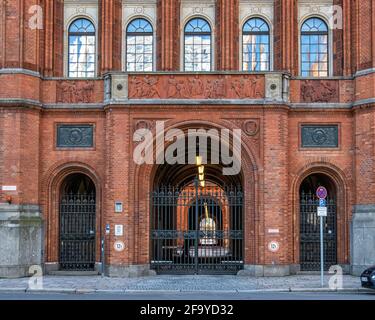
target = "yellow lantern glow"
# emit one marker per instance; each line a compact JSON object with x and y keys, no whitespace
{"x":198,"y":160}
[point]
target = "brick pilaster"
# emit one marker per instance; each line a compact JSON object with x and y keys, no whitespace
{"x":168,"y":35}
{"x":110,"y":35}
{"x":286,"y":36}
{"x":53,"y":53}
{"x":227,"y":12}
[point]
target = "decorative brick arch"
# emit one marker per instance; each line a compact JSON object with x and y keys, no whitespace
{"x":50,"y":202}
{"x":143,"y":180}
{"x":340,"y":182}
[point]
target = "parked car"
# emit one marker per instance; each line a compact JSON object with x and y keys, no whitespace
{"x":368,"y":278}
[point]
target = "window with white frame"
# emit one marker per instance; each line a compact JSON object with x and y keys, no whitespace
{"x":314,"y":48}
{"x":82,"y":47}
{"x":197,"y":45}
{"x":256,"y":45}
{"x":139,"y":45}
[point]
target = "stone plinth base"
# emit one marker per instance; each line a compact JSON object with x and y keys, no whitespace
{"x":362,"y":238}
{"x":21,"y":239}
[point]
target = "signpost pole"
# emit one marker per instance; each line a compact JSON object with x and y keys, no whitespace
{"x":321,"y":193}
{"x":103,"y":257}
{"x":196,"y":243}
{"x":321,"y":253}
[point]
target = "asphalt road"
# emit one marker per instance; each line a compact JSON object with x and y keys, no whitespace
{"x":192,"y":296}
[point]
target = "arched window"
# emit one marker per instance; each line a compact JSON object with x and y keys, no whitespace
{"x":314,"y":48}
{"x":139,"y":46}
{"x":197,"y":51}
{"x":81,"y":49}
{"x":256,"y":45}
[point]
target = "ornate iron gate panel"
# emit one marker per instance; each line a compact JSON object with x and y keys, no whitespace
{"x":197,"y":231}
{"x":310,"y":233}
{"x":77,"y":231}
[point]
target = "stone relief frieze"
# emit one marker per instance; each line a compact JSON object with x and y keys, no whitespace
{"x":72,"y":91}
{"x":196,"y":87}
{"x":323,"y":91}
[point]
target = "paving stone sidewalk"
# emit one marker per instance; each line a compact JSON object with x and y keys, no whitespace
{"x":178,"y":283}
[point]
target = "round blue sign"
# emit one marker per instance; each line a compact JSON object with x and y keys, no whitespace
{"x":321,"y":193}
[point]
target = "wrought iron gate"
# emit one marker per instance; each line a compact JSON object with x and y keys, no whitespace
{"x":77,"y":231}
{"x":310,"y":233}
{"x":197,"y":230}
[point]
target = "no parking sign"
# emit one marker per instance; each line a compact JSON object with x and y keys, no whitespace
{"x":321,"y":193}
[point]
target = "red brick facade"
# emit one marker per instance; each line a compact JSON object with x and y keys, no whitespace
{"x":35,"y":97}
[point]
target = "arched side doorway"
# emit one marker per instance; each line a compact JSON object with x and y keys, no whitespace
{"x":310,"y":223}
{"x":77,"y":223}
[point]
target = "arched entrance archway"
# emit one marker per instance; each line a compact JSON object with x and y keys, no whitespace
{"x":77,"y":223}
{"x":310,"y":224}
{"x":196,"y":227}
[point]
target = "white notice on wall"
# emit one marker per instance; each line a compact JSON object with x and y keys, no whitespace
{"x":119,"y":230}
{"x":9,"y":188}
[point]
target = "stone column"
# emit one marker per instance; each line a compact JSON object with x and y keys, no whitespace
{"x":227,"y":35}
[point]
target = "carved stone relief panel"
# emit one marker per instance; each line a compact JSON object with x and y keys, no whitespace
{"x":75,"y":91}
{"x":196,"y":87}
{"x":323,"y":91}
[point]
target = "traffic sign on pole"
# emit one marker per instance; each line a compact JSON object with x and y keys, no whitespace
{"x":321,"y":193}
{"x":322,"y":211}
{"x":322,"y":203}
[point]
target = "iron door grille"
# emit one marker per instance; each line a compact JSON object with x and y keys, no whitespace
{"x":77,"y":231}
{"x":197,"y":231}
{"x":310,"y":233}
